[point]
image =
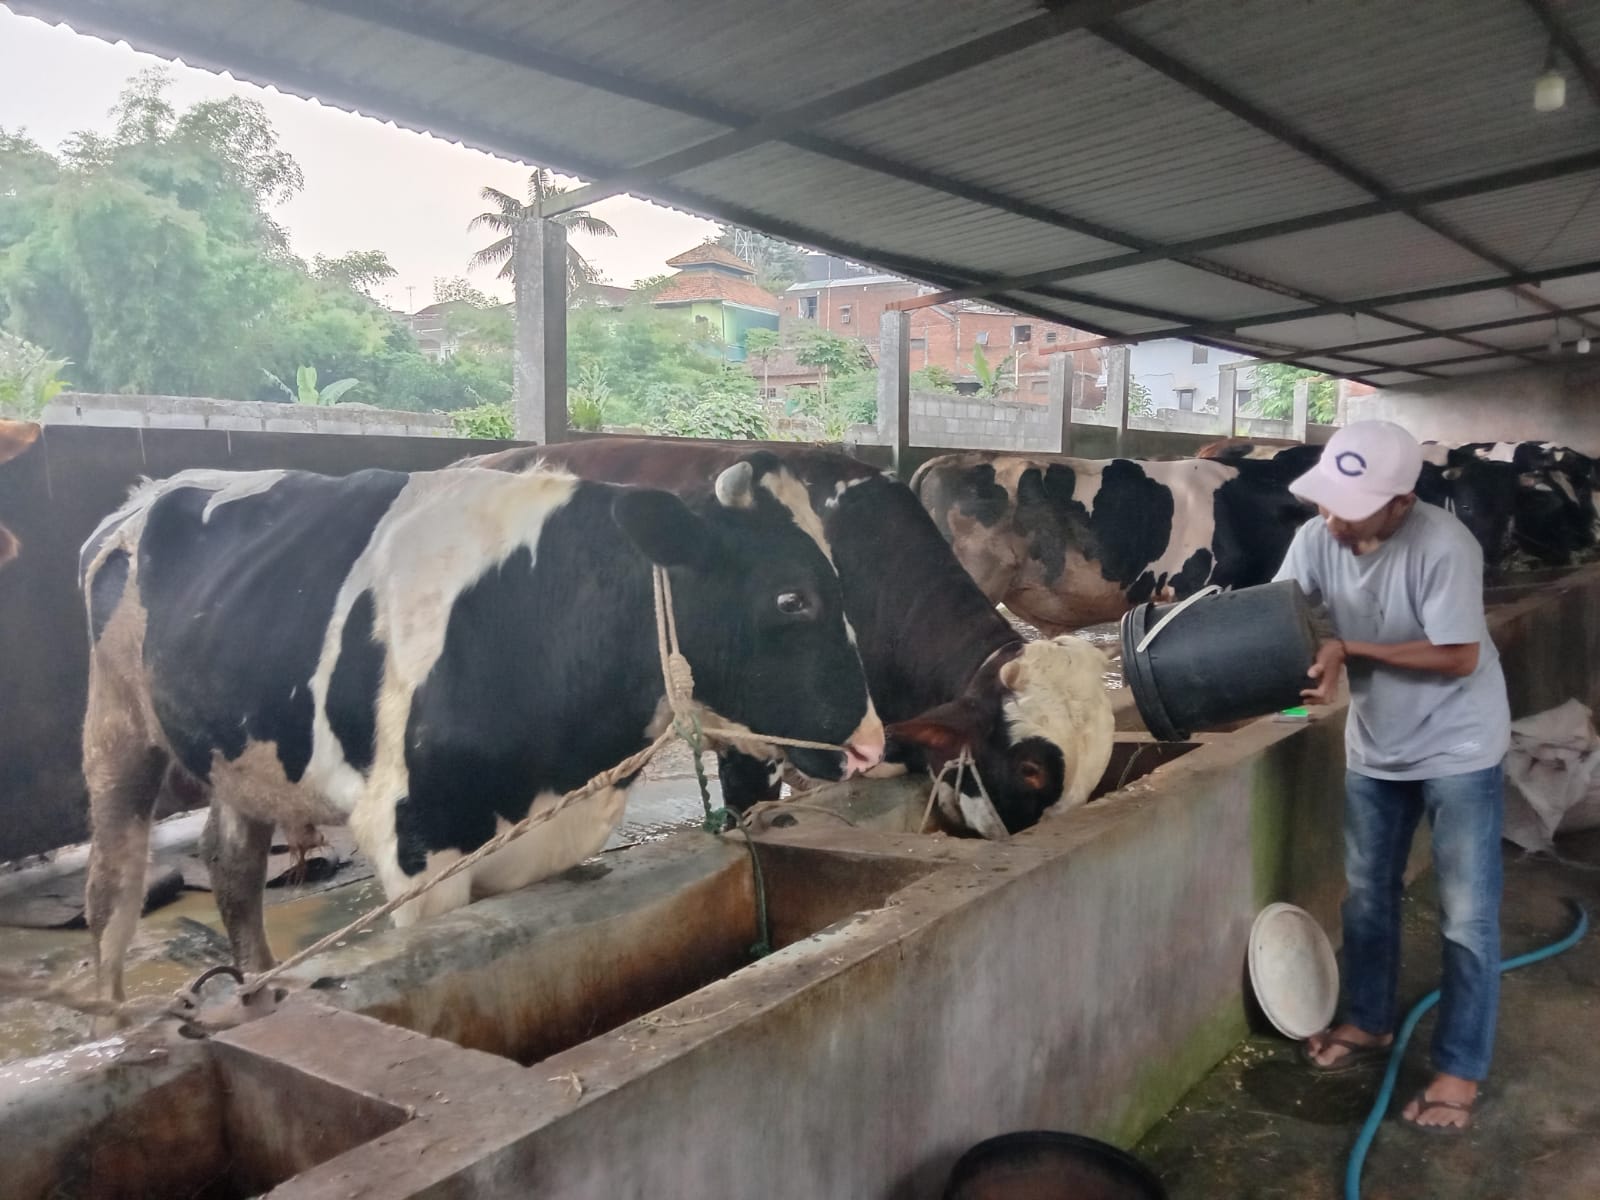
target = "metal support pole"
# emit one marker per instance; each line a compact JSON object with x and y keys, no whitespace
{"x":1117,"y":374}
{"x":894,"y":385}
{"x":1302,"y":406}
{"x":539,"y":250}
{"x":1060,"y":392}
{"x":1227,"y":398}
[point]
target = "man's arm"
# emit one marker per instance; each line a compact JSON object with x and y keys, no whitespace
{"x":1457,"y":660}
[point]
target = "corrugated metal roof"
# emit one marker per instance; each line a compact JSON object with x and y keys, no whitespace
{"x":1174,"y":120}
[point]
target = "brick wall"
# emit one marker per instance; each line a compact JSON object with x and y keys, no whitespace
{"x":190,"y":412}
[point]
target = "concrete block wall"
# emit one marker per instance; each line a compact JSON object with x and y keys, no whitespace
{"x":975,"y":423}
{"x":238,"y":416}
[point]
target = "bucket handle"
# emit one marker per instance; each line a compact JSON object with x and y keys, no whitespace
{"x":1210,"y":589}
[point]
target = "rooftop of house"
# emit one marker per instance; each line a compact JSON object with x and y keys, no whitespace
{"x":816,"y":285}
{"x":688,"y":286}
{"x":709,"y":254}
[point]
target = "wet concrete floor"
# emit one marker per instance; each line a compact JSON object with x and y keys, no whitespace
{"x":1260,"y":1127}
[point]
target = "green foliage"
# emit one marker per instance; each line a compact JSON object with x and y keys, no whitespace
{"x":485,"y":421}
{"x":992,"y":380}
{"x":650,"y":360}
{"x":762,"y":343}
{"x":506,"y":210}
{"x":1140,"y":402}
{"x":725,"y":405}
{"x":933,"y":378}
{"x":456,"y":290}
{"x":305,"y":390}
{"x":832,"y":355}
{"x":1272,"y":392}
{"x":587,"y":398}
{"x":146,"y":256}
{"x":28,"y":378}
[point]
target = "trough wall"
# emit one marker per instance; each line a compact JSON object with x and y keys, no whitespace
{"x":1082,"y":976}
{"x":51,"y":498}
{"x":240,"y":416}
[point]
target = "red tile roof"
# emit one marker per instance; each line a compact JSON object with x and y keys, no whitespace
{"x":687,"y":287}
{"x":711,"y":254}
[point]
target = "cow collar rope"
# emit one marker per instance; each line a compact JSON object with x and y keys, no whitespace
{"x":678,"y":679}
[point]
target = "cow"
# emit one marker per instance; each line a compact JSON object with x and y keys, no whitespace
{"x":1070,"y":542}
{"x":429,"y":657}
{"x":945,"y":669}
{"x":15,"y":437}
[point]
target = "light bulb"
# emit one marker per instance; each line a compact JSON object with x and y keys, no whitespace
{"x":1583,"y":344}
{"x":1550,"y":92}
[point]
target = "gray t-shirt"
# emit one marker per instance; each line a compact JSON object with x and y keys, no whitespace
{"x":1424,"y":583}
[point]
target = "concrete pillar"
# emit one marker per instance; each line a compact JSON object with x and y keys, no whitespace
{"x":1227,"y":393}
{"x":1302,"y":406}
{"x":1117,"y":373}
{"x":894,"y":385}
{"x":539,"y":250}
{"x":1060,"y":392}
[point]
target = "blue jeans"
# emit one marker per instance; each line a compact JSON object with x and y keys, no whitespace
{"x":1380,"y":817}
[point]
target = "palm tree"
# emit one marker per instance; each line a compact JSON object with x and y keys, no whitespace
{"x":508,"y":210}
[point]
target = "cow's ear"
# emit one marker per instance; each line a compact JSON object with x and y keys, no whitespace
{"x":662,"y":526}
{"x":16,"y":436}
{"x":938,"y":740}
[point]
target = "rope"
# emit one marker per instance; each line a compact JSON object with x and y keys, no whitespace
{"x":687,"y":724}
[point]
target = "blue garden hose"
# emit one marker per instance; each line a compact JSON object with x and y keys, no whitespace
{"x":1358,"y":1156}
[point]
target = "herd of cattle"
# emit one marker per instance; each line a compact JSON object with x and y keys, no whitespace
{"x":432,"y":656}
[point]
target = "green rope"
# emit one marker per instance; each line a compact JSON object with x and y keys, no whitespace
{"x":722,"y":820}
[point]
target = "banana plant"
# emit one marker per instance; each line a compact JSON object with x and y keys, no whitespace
{"x":306,"y":391}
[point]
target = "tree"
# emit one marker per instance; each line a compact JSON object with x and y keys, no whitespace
{"x":830,"y":354}
{"x":456,"y":290}
{"x":1272,"y":392}
{"x":933,"y":378}
{"x":507,"y":210}
{"x":778,"y":263}
{"x":1140,"y":402}
{"x":762,"y":344}
{"x":359,"y":270}
{"x":724,"y":405}
{"x":992,"y":381}
{"x":305,"y":390}
{"x":29,"y":378}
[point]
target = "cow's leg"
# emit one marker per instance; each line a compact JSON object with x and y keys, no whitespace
{"x":124,"y":776}
{"x":747,"y":780}
{"x":236,"y":848}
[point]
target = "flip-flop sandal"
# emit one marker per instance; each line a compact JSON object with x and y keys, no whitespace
{"x":1358,"y":1054}
{"x":1425,"y":1103}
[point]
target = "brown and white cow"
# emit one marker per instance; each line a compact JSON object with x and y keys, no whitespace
{"x":1068,"y":542}
{"x":429,"y":657}
{"x":945,"y":669}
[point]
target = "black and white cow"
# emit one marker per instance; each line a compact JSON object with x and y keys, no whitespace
{"x":945,"y":669}
{"x":1070,"y":542}
{"x":429,"y":657}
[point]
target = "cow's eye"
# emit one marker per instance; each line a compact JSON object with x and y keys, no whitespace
{"x":1032,"y":775}
{"x":793,"y":604}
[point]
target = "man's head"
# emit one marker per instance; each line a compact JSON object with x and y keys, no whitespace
{"x":1365,"y":482}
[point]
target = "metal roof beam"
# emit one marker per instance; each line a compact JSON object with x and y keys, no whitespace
{"x":1465,"y":189}
{"x":1057,"y":20}
{"x":1367,"y":304}
{"x":1275,"y":127}
{"x":1480,"y":327}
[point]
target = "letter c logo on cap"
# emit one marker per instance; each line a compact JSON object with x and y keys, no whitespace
{"x":1350,"y":463}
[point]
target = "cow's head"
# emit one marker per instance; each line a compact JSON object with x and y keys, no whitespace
{"x":760,"y":617}
{"x":1039,"y":726}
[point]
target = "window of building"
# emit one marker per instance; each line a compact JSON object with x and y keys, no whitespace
{"x":920,"y":343}
{"x":1241,"y":397}
{"x":983,"y":337}
{"x":702,"y":326}
{"x":1199,"y":354}
{"x":808,"y":307}
{"x":1186,"y":399}
{"x":1021,"y":333}
{"x":1050,"y":336}
{"x":1039,"y":385}
{"x":844,"y":314}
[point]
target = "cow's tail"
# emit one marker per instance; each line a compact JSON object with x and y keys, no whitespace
{"x":107,"y":535}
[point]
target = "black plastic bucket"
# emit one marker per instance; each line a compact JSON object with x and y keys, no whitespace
{"x":1042,"y":1164}
{"x":1223,"y":657}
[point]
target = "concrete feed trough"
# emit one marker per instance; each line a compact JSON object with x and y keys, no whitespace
{"x":607,"y":1035}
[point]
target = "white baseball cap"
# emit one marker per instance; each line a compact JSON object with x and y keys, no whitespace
{"x":1363,"y":467}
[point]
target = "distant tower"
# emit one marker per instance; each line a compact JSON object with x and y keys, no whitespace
{"x":742,"y":243}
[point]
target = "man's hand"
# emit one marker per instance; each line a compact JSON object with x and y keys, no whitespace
{"x":1325,"y":670}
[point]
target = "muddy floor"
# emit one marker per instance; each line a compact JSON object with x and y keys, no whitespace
{"x":1260,"y":1127}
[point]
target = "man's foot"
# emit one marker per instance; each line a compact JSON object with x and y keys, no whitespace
{"x":1444,"y":1106}
{"x":1344,"y":1047}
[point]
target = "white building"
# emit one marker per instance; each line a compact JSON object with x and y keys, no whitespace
{"x":1184,"y":376}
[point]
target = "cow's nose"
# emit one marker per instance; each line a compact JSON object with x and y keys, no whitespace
{"x":863,"y":749}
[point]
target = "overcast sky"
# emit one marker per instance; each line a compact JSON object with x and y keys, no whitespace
{"x":369,"y":186}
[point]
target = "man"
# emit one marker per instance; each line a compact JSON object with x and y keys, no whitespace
{"x":1428,"y":730}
